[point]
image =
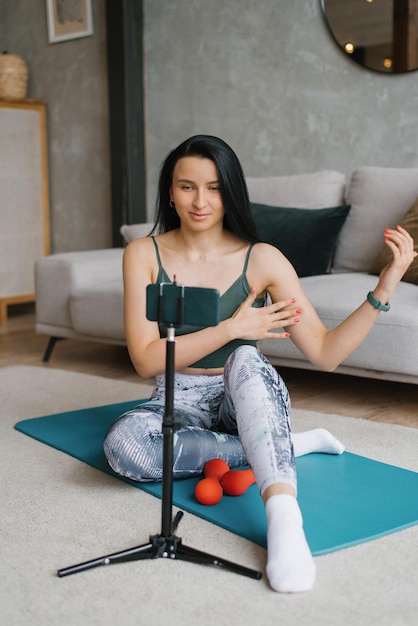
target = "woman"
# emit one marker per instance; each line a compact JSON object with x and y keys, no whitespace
{"x":232,"y":403}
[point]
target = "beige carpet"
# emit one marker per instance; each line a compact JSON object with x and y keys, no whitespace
{"x":56,"y":511}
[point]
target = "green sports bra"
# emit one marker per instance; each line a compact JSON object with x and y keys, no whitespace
{"x":229,"y":301}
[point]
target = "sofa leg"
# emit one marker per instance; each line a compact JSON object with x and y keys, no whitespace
{"x":51,"y":343}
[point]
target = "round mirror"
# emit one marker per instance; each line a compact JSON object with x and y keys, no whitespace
{"x":380,"y":35}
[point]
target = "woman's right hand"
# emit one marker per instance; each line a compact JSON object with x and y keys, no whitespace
{"x":254,"y":324}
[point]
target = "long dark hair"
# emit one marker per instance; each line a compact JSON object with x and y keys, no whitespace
{"x":233,"y":188}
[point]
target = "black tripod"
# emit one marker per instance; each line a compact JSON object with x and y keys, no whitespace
{"x":166,"y":544}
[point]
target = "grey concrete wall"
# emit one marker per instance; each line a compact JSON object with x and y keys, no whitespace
{"x":266,"y":76}
{"x":72,"y":77}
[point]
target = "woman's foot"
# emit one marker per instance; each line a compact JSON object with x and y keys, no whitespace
{"x":290,"y":565}
{"x":316,"y":440}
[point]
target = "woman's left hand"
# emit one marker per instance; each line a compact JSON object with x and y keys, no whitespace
{"x":402,"y":246}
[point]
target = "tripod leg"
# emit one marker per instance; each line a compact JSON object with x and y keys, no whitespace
{"x":145,"y":551}
{"x":186,"y":553}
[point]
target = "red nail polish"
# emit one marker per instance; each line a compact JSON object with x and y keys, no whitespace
{"x":298,"y":311}
{"x":287,"y":334}
{"x":292,"y":301}
{"x":295,"y":320}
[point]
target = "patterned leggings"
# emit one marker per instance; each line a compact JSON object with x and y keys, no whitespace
{"x":241,"y":416}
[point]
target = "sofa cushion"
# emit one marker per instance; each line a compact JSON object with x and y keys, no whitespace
{"x":306,"y":237}
{"x":379,"y":197}
{"x":317,"y":190}
{"x":410,"y":223}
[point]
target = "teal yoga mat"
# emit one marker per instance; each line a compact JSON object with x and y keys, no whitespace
{"x":345,"y":500}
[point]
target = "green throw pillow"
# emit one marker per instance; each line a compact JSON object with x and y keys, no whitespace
{"x":307,"y":237}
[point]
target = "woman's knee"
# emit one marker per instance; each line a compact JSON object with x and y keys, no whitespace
{"x":249,"y":358}
{"x":248,"y":351}
{"x":243,"y":355}
{"x":248,"y":364}
{"x":133,"y":449}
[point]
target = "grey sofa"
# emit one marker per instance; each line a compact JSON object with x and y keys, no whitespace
{"x":80,"y":294}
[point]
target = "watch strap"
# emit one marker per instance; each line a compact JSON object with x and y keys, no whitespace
{"x":376,"y":303}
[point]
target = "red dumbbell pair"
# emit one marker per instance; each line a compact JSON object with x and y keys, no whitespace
{"x":220,"y":479}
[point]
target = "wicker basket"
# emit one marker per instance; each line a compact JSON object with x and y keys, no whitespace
{"x":13,"y":77}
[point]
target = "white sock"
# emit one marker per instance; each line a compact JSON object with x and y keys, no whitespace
{"x":290,"y":565}
{"x":316,"y":440}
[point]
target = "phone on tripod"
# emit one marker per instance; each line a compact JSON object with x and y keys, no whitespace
{"x":171,"y":304}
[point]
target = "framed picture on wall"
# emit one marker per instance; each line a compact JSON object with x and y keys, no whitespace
{"x":69,"y":19}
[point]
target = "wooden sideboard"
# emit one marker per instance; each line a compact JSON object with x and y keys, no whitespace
{"x":24,"y":199}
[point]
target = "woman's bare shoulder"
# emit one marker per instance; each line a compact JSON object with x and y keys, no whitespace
{"x":269,"y":268}
{"x":143,"y":245}
{"x":140,"y":256}
{"x":264,"y":254}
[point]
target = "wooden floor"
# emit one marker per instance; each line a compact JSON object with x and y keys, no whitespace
{"x":380,"y":401}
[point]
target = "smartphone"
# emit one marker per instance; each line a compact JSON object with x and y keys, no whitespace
{"x":171,"y":304}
